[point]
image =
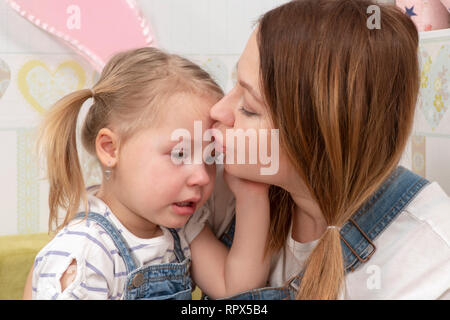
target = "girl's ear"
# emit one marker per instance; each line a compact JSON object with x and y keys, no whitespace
{"x":107,"y":147}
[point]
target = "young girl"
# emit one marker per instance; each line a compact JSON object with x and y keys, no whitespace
{"x":129,"y":238}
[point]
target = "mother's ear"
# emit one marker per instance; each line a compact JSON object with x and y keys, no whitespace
{"x":107,"y":147}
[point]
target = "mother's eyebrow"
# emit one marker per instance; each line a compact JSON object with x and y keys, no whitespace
{"x":252,"y":91}
{"x":248,"y":87}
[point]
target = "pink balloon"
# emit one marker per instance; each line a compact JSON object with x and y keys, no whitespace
{"x":446,"y":4}
{"x":96,"y":29}
{"x":427,"y":14}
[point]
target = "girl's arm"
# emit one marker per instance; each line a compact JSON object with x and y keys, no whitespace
{"x":27,"y":290}
{"x":220,"y":272}
{"x":66,"y":280}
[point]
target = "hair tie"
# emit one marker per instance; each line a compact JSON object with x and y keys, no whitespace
{"x":334,"y":227}
{"x":92,"y":93}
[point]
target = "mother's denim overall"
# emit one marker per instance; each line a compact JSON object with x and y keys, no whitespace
{"x":154,"y":282}
{"x":357,"y":234}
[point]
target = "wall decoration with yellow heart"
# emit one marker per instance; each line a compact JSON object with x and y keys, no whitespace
{"x":434,"y":83}
{"x":5,"y":76}
{"x":42,"y":87}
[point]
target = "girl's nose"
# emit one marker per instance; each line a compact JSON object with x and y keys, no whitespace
{"x":199,"y":176}
{"x":222,"y":112}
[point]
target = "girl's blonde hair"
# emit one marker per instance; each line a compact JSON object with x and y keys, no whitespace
{"x":343,"y":96}
{"x":127,"y":97}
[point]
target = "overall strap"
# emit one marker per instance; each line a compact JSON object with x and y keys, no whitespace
{"x":359,"y":232}
{"x":374,"y":216}
{"x":177,"y":245}
{"x":119,"y":241}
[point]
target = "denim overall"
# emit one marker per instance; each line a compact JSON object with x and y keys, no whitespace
{"x":357,"y":234}
{"x":154,"y":282}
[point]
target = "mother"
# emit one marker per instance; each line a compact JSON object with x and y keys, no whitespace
{"x":343,"y":97}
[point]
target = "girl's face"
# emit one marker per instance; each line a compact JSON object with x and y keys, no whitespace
{"x":244,"y":108}
{"x":149,"y":183}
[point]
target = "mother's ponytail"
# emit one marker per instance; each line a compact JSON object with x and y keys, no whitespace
{"x":324,"y":275}
{"x":343,"y":97}
{"x":57,"y":144}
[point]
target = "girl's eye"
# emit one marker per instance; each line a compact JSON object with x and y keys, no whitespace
{"x":211,"y":158}
{"x":247,"y":113}
{"x":178,"y":154}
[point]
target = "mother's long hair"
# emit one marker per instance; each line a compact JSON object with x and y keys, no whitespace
{"x":343,"y":97}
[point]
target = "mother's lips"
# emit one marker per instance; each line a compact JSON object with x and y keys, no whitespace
{"x":215,"y":125}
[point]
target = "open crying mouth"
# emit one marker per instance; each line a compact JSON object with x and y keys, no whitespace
{"x":184,"y":204}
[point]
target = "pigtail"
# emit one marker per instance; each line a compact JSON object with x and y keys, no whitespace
{"x":57,"y":145}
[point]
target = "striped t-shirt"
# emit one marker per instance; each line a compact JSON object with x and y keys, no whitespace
{"x":101,"y":272}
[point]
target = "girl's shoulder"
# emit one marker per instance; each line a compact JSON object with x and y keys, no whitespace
{"x":81,"y":237}
{"x":89,"y":247}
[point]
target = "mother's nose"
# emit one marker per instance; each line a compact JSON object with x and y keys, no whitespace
{"x":222,"y":112}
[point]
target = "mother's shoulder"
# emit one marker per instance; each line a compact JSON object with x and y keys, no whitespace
{"x":432,"y":206}
{"x":432,"y":198}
